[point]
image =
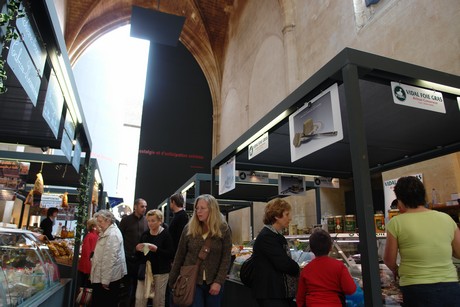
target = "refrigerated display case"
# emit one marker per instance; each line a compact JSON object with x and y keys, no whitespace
{"x":29,"y":275}
{"x":346,"y":247}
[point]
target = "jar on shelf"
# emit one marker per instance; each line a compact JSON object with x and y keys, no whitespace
{"x":350,"y":223}
{"x":379,"y":221}
{"x":330,"y":224}
{"x":392,"y":213}
{"x":338,"y":223}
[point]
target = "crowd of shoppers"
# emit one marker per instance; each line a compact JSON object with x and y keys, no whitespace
{"x":426,"y":273}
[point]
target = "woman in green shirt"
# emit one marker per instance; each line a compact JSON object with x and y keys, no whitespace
{"x":426,"y":240}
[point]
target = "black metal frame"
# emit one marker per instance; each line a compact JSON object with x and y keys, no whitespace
{"x":347,"y":69}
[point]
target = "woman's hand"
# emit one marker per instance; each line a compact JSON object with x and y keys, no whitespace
{"x":152,"y":247}
{"x":140,"y":247}
{"x":215,"y":288}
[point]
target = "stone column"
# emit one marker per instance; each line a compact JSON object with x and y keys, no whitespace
{"x":290,"y":46}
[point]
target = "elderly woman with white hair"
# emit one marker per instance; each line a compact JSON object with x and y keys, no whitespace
{"x":108,"y":265}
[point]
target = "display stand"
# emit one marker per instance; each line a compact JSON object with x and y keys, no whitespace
{"x":243,"y":196}
{"x":376,"y":128}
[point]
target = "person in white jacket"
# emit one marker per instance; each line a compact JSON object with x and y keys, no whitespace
{"x":108,"y":265}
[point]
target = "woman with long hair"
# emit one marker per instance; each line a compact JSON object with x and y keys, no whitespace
{"x":206,"y":222}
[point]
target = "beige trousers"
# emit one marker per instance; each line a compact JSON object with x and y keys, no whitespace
{"x":161,"y":280}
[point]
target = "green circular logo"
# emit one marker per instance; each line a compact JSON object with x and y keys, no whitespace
{"x":399,"y":93}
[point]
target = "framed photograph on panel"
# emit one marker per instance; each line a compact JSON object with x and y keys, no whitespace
{"x":227,"y":176}
{"x":316,"y":125}
{"x":291,"y":185}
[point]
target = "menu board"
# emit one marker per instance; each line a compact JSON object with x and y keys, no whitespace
{"x":24,"y":69}
{"x":36,"y":50}
{"x":69,"y":125}
{"x":66,"y":146}
{"x":76,"y":156}
{"x":54,"y":101}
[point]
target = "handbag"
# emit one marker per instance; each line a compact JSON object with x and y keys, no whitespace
{"x":141,"y":272}
{"x":149,"y":284}
{"x":247,"y":271}
{"x":184,"y":287}
{"x":84,"y":296}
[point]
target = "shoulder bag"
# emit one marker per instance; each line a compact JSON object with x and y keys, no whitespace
{"x":247,"y":271}
{"x":183,"y":290}
{"x":84,"y":297}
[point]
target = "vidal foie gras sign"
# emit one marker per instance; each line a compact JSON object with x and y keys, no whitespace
{"x":417,"y":97}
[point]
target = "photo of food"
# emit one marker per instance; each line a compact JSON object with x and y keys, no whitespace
{"x":316,"y":125}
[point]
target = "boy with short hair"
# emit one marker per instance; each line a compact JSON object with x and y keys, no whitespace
{"x":324,"y":281}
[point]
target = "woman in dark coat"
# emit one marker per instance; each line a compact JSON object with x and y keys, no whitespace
{"x":276,"y":273}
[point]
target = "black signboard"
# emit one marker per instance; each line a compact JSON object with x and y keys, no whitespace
{"x":54,"y":101}
{"x":24,"y":69}
{"x":66,"y":146}
{"x":69,"y":125}
{"x":36,"y":50}
{"x":76,"y":156}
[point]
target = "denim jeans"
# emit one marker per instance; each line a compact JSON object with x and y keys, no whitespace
{"x":204,"y":299}
{"x":443,"y":294}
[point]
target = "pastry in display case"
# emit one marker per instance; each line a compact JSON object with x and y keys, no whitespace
{"x":27,"y":269}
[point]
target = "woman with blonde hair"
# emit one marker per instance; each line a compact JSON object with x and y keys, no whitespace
{"x":156,"y":245}
{"x":206,"y":222}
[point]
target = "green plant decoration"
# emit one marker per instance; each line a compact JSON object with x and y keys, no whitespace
{"x":8,"y":34}
{"x":84,"y":198}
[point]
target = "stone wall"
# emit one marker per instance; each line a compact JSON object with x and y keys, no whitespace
{"x":275,"y":45}
{"x":267,"y":41}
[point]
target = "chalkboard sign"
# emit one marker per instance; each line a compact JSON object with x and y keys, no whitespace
{"x":24,"y":69}
{"x":76,"y":156}
{"x":66,"y":146}
{"x":35,"y":48}
{"x":54,"y":101}
{"x":69,"y":125}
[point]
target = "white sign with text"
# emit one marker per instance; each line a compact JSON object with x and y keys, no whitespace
{"x":417,"y":97}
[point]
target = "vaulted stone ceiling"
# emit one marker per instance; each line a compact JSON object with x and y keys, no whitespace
{"x":204,"y":32}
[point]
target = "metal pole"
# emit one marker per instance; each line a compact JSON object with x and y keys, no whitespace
{"x":362,"y":187}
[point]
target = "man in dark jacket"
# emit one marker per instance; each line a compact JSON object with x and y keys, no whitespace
{"x":177,"y":224}
{"x":132,"y":227}
{"x":47,"y":224}
{"x":180,"y":219}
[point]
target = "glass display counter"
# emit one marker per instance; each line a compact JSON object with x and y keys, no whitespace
{"x":28,"y":272}
{"x":346,"y":247}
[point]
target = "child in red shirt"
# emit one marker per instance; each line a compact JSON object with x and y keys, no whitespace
{"x":324,"y":281}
